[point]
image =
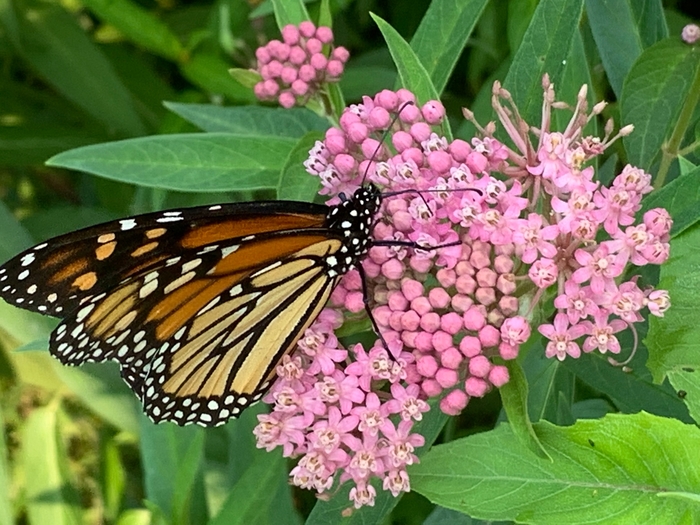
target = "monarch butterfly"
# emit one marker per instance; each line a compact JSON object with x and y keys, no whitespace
{"x":197,"y":305}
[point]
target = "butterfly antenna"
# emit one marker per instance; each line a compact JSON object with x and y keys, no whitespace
{"x":383,"y":138}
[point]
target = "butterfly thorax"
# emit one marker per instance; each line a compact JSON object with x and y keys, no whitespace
{"x":353,"y":218}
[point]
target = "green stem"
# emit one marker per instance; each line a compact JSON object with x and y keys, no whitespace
{"x":671,"y":148}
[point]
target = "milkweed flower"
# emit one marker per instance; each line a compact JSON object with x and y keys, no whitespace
{"x":294,"y":69}
{"x":459,"y":251}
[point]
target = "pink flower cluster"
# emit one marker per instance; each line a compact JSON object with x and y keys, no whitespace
{"x":294,"y":69}
{"x":328,"y":410}
{"x":494,"y":227}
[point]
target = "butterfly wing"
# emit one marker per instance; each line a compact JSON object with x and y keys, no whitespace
{"x":197,"y":322}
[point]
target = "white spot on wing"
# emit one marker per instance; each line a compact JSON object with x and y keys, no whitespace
{"x":127,"y":224}
{"x":28,"y":259}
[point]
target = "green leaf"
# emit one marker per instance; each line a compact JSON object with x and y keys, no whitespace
{"x":631,"y":391}
{"x":332,"y":511}
{"x":680,"y":197}
{"x":5,"y":501}
{"x":290,"y":12}
{"x":61,"y":53}
{"x":187,"y":471}
{"x":245,"y":77}
{"x":617,"y":37}
{"x":252,"y":499}
{"x":210,"y":72}
{"x":546,"y":377}
{"x":545,"y":47}
{"x":140,"y":26}
{"x":514,"y":396}
{"x":100,"y":387}
{"x":163,"y":448}
{"x":135,"y":517}
{"x":652,"y":96}
{"x":48,"y":488}
{"x":687,"y":383}
{"x":250,"y":120}
{"x":442,"y":35}
{"x":614,"y":467}
{"x":15,"y":237}
{"x":38,"y":123}
{"x":672,"y":340}
{"x":187,"y":162}
{"x":411,"y":72}
{"x":295,"y":182}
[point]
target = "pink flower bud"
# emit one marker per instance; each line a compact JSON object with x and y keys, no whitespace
{"x":318,"y":61}
{"x":371,"y":148}
{"x":433,"y":112}
{"x":430,"y":322}
{"x":412,"y":289}
{"x":297,"y":56}
{"x":300,"y":88}
{"x":451,"y":358}
{"x":334,"y":69}
{"x":386,"y":99}
{"x":486,"y":277}
{"x":286,"y":99}
{"x":397,"y":301}
{"x":438,"y":298}
{"x":344,"y":163}
{"x":658,"y":221}
{"x":480,"y":258}
{"x":461,"y":303}
{"x":381,"y":315}
{"x":489,"y":336}
{"x":354,"y":302}
{"x":410,"y":321}
{"x":476,"y":162}
{"x":404,"y":95}
{"x":358,"y":132}
{"x":508,"y":305}
{"x":446,"y":378}
{"x":307,"y":73}
{"x":403,"y":221}
{"x":465,"y":284}
{"x":431,"y":387}
{"x":485,"y":296}
{"x":271,"y":88}
{"x":463,"y":267}
{"x":341,"y":54}
{"x":324,"y":34}
{"x":409,"y":114}
{"x":421,"y":306}
{"x":262,"y":54}
{"x":470,"y":346}
{"x":508,"y":351}
{"x":402,"y":141}
{"x":420,"y":264}
{"x":498,"y":376}
{"x":476,"y":387}
{"x":420,"y":131}
{"x":412,"y":154}
{"x":424,"y":342}
{"x":506,"y":283}
{"x":459,"y":150}
{"x":441,"y":340}
{"x":454,"y":402}
{"x":379,"y":118}
{"x":395,"y":320}
{"x":427,"y":365}
{"x":451,"y":322}
{"x":275,"y":68}
{"x":446,"y":277}
{"x":307,"y":29}
{"x":259,"y":91}
{"x":474,"y":319}
{"x":440,"y":161}
{"x":335,"y":142}
{"x":503,"y":264}
{"x":392,"y":269}
{"x":290,"y":34}
{"x":479,"y":366}
{"x":289,"y":74}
